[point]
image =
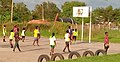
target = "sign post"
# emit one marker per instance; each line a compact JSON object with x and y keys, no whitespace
{"x":81,"y":12}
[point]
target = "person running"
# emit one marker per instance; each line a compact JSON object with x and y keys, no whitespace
{"x":106,"y":42}
{"x":23,"y":34}
{"x":67,"y":41}
{"x":36,"y":35}
{"x":52,"y":43}
{"x":75,"y":34}
{"x":11,"y":38}
{"x":4,"y":33}
{"x":17,"y":38}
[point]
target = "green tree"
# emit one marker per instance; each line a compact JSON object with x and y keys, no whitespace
{"x":67,"y":10}
{"x":50,"y":11}
{"x":21,"y":12}
{"x":5,"y":6}
{"x":107,"y":14}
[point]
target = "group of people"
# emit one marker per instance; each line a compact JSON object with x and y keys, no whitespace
{"x":70,"y":38}
{"x":14,"y":34}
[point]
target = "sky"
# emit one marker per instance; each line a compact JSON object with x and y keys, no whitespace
{"x":94,"y":3}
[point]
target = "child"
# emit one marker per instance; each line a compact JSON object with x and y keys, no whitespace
{"x":4,"y":32}
{"x":52,"y":43}
{"x":11,"y":38}
{"x":67,"y":41}
{"x":23,"y":34}
{"x":106,"y":42}
{"x":75,"y":34}
{"x":17,"y":38}
{"x":36,"y":37}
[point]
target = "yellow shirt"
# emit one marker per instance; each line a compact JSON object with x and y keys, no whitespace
{"x":11,"y":35}
{"x":36,"y":32}
{"x":67,"y":39}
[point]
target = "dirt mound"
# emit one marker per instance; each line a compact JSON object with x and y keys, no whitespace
{"x":38,"y":22}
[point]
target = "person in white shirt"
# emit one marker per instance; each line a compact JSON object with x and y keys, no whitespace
{"x":52,"y":43}
{"x":23,"y":34}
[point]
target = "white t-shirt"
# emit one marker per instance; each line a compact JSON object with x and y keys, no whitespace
{"x":23,"y":33}
{"x":67,"y":39}
{"x":52,"y":40}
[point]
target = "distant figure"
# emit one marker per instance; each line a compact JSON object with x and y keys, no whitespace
{"x":52,"y":43}
{"x":23,"y":34}
{"x":17,"y":38}
{"x":36,"y":35}
{"x":4,"y":33}
{"x":106,"y":42}
{"x":70,"y":31}
{"x":11,"y":38}
{"x":15,"y":28}
{"x":67,"y":41}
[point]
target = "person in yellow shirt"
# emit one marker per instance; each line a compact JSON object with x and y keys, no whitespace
{"x":75,"y":34}
{"x":67,"y":41}
{"x":11,"y":38}
{"x":36,"y":35}
{"x":4,"y":32}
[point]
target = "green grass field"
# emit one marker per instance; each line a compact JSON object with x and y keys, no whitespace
{"x":107,"y":58}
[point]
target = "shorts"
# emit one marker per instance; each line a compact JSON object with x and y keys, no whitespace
{"x":106,"y":46}
{"x":11,"y":39}
{"x":52,"y":46}
{"x":35,"y":39}
{"x":74,"y":37}
{"x":23,"y":36}
{"x":67,"y":44}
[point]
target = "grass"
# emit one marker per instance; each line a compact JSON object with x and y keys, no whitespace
{"x":107,"y":58}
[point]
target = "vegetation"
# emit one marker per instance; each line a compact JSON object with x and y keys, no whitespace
{"x":107,"y":58}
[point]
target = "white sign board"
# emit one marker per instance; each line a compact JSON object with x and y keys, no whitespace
{"x":80,"y":11}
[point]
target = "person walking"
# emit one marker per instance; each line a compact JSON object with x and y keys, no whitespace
{"x":11,"y":38}
{"x":67,"y":41}
{"x":106,"y":42}
{"x":23,"y":34}
{"x":52,"y":43}
{"x":17,"y":38}
{"x":4,"y":33}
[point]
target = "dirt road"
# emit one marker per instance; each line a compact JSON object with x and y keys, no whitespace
{"x":31,"y":53}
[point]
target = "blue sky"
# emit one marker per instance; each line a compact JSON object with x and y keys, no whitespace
{"x":94,"y":3}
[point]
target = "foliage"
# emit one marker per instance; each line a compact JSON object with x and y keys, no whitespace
{"x":107,"y":14}
{"x":50,"y":10}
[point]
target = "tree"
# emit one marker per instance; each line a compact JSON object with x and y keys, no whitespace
{"x":50,"y":11}
{"x":21,"y":12}
{"x":5,"y":6}
{"x":67,"y":9}
{"x":107,"y":14}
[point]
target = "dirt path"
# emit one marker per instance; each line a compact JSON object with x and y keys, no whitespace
{"x":31,"y":53}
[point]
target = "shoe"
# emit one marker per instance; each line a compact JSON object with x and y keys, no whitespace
{"x":63,"y":50}
{"x":13,"y":50}
{"x":69,"y":51}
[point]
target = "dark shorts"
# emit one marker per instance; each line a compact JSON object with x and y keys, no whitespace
{"x":35,"y":39}
{"x":11,"y":39}
{"x":106,"y":46}
{"x":74,"y":37}
{"x":52,"y":46}
{"x":67,"y":43}
{"x":23,"y":36}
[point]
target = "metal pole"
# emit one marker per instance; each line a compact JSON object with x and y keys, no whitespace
{"x":11,"y":11}
{"x":90,"y":25}
{"x":82,"y":29}
{"x":43,"y":12}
